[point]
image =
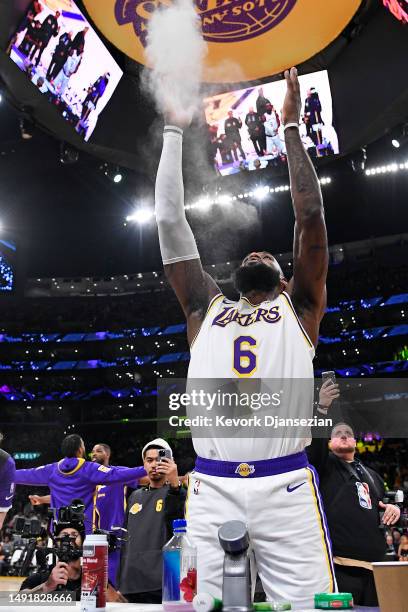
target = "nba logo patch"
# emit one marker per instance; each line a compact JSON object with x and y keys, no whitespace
{"x":196,"y":486}
{"x":364,"y":498}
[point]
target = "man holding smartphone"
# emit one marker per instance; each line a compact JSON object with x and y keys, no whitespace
{"x":151,"y":511}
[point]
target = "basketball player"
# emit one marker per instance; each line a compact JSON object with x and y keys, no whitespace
{"x":279,"y":501}
{"x":7,"y":482}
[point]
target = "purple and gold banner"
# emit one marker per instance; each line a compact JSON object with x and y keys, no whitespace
{"x":261,"y":37}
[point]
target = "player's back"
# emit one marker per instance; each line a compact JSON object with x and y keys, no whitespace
{"x":239,"y":340}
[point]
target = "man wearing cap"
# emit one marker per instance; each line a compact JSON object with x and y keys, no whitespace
{"x":151,"y":511}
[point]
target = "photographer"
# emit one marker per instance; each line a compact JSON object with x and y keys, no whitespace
{"x":151,"y":511}
{"x":352,"y":496}
{"x":65,"y":575}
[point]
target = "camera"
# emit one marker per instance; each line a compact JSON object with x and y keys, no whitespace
{"x":397,"y":498}
{"x":64,"y":547}
{"x":28,"y":527}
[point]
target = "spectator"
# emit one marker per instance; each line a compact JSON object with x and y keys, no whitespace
{"x":60,"y":55}
{"x":403,"y":549}
{"x":256,"y":131}
{"x":232,"y":126}
{"x":352,"y":496}
{"x":151,"y":511}
{"x":49,"y":29}
{"x":396,"y":536}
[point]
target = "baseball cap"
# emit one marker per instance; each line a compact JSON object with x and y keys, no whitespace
{"x":157,"y":442}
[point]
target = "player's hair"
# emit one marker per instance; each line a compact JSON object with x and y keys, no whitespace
{"x":341,"y":423}
{"x":71,"y":445}
{"x":151,"y":447}
{"x":106,"y":447}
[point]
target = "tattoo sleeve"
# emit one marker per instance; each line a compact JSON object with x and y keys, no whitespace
{"x":304,"y":184}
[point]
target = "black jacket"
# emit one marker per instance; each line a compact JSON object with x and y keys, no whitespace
{"x":354,"y":529}
{"x":35,"y":580}
{"x":149,"y":523}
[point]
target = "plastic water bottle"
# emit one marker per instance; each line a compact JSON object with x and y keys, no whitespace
{"x":94,"y":573}
{"x":179,"y":571}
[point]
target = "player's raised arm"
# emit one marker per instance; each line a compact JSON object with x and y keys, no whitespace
{"x":310,"y":252}
{"x":193,"y":286}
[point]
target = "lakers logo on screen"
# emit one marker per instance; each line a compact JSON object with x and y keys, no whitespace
{"x":259,"y":37}
{"x":222,"y":20}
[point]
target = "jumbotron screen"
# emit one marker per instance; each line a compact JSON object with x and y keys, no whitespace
{"x":65,"y":60}
{"x":245,"y":130}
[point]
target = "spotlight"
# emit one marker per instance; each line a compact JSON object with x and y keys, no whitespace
{"x":113,"y":173}
{"x":261,"y":192}
{"x":141,"y":216}
{"x":68,"y":155}
{"x":400,"y":136}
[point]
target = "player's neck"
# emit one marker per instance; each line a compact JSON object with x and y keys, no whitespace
{"x":257,"y":297}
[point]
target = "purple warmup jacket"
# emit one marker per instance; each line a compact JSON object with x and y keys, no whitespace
{"x":7,"y":480}
{"x":73,"y":478}
{"x":110,"y":511}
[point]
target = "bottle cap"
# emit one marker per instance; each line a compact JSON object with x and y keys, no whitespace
{"x":204,"y":602}
{"x":179,"y":525}
{"x":96,"y":538}
{"x":333,"y":601}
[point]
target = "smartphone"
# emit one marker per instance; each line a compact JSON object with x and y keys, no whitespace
{"x":330,"y":375}
{"x":165,"y":453}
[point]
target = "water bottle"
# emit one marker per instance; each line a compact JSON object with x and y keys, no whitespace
{"x":179,"y":571}
{"x":94,"y":573}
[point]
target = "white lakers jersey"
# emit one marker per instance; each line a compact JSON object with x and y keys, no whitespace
{"x":241,"y":340}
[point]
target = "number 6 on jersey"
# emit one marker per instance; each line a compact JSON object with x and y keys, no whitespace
{"x":244,"y":359}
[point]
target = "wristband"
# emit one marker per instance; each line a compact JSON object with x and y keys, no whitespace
{"x":290,"y":124}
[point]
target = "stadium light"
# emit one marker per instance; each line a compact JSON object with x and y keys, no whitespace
{"x":395,"y":143}
{"x":141,"y":216}
{"x":260,"y":193}
{"x":390,"y":168}
{"x":117,"y":178}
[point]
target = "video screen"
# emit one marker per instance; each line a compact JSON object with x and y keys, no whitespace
{"x":7,"y":266}
{"x":66,"y":60}
{"x":245,"y":130}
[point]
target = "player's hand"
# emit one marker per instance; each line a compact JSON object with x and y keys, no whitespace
{"x":168,"y":468}
{"x":59,"y":575}
{"x":329,"y":391}
{"x":114,"y":596}
{"x":292,"y":104}
{"x":391,"y":513}
{"x":35,"y":500}
{"x":179,"y":118}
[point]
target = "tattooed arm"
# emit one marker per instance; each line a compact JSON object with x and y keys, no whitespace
{"x":310,"y":251}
